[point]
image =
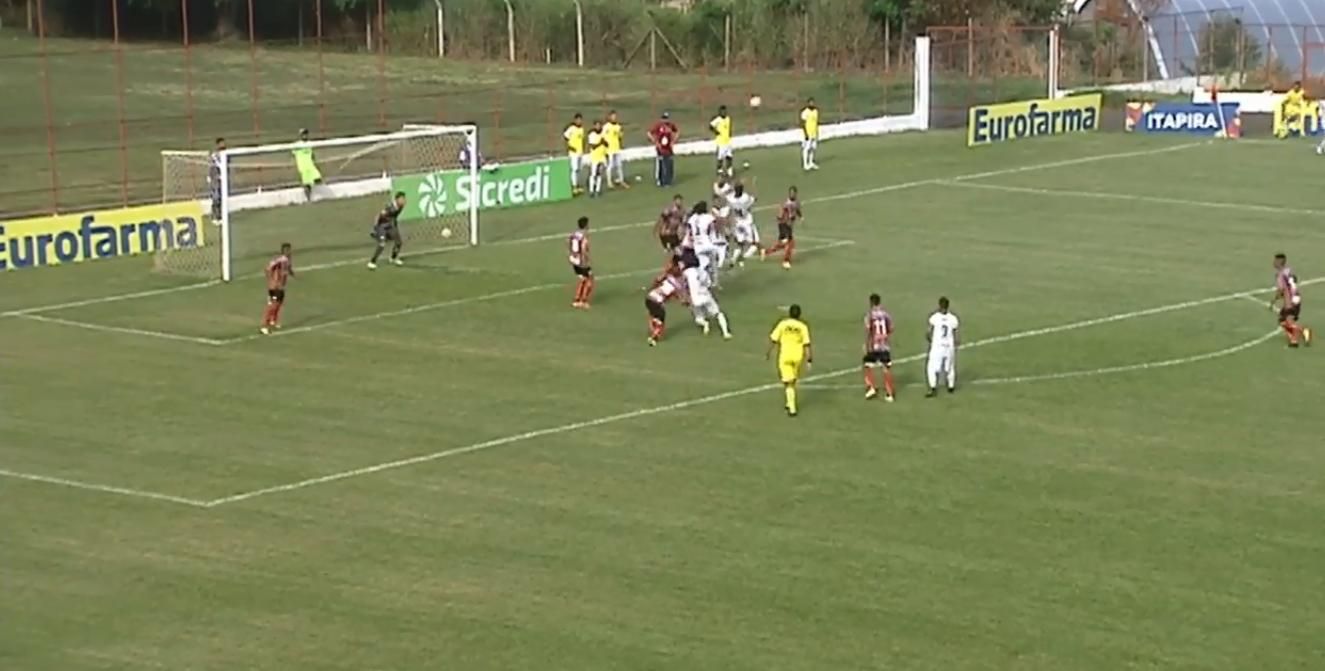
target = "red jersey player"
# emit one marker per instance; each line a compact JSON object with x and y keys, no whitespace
{"x":878,"y":349}
{"x":667,"y":286}
{"x":279,"y":271}
{"x":578,"y":247}
{"x":1289,"y":301}
{"x":670,"y":220}
{"x":788,"y":215}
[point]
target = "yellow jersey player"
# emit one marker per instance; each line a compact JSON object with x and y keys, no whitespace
{"x":809,"y":135}
{"x":597,"y":159}
{"x":574,"y":135}
{"x":615,"y":136}
{"x":791,"y":339}
{"x":721,"y":125}
{"x":1294,"y":112}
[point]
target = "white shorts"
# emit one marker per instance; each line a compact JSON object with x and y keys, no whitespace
{"x":576,"y":162}
{"x":745,"y":232}
{"x":597,"y":168}
{"x":614,"y":161}
{"x":705,"y":307}
{"x":941,"y":359}
{"x":810,"y":143}
{"x":724,"y":152}
{"x":705,"y":248}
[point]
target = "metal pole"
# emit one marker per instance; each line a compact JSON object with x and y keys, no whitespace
{"x":188,"y":69}
{"x":321,"y":73}
{"x":383,"y":86}
{"x":579,"y":34}
{"x":50,"y":110}
{"x":441,"y":29}
{"x":119,"y":101}
{"x":254,"y":92}
{"x":510,"y":31}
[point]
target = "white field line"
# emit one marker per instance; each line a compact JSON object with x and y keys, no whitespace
{"x":704,"y":400}
{"x":147,"y":333}
{"x":1095,"y":372}
{"x":109,"y":299}
{"x":1138,"y":198}
{"x":109,"y":489}
{"x":497,"y":295}
{"x":621,"y":227}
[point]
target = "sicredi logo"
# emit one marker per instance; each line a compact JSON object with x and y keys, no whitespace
{"x":432,"y":195}
{"x":1180,"y":121}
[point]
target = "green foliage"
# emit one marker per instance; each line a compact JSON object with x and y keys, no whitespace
{"x":1226,"y":46}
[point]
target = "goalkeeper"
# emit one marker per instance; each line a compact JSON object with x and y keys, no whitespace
{"x":387,"y":229}
{"x":306,"y":164}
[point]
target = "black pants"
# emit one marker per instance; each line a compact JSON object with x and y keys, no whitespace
{"x":664,"y":172}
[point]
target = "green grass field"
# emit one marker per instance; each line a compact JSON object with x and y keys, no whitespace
{"x":444,"y":466}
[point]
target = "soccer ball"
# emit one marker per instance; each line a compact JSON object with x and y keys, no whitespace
{"x":745,"y":165}
{"x":446,"y":232}
{"x":756,"y":101}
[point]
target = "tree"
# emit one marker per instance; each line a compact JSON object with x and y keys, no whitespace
{"x":1226,"y":46}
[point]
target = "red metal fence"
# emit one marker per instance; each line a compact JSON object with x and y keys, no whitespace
{"x":87,"y":119}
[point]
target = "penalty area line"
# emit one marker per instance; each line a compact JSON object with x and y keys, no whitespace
{"x":467,"y":300}
{"x":1094,"y":372}
{"x":105,"y":489}
{"x":144,"y":333}
{"x":1135,"y":198}
{"x":702,"y":400}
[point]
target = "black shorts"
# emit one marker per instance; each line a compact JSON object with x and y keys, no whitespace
{"x":386,"y":233}
{"x":276,"y":295}
{"x":582,"y":271}
{"x":1292,"y":312}
{"x":670,"y":240}
{"x":655,"y":309}
{"x":878,"y":358}
{"x":784,"y":232}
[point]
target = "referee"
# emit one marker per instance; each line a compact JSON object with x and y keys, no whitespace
{"x":664,"y":134}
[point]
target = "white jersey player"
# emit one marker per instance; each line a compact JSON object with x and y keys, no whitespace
{"x":703,"y":303}
{"x":722,"y":220}
{"x":744,"y":233}
{"x":943,"y":343}
{"x":702,"y":236}
{"x":723,"y":188}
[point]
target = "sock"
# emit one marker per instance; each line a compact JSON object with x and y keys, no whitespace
{"x":579,"y":290}
{"x":276,"y":313}
{"x":806,"y":156}
{"x":1291,"y":329}
{"x":776,"y":246}
{"x":752,"y":250}
{"x":933,"y":375}
{"x":791,"y":398}
{"x":588,"y":289}
{"x":377,"y":253}
{"x":722,"y":324}
{"x":888,"y":382}
{"x":268,"y":318}
{"x":791,"y":249}
{"x":869,"y":378}
{"x":952,"y":376}
{"x":655,"y":329}
{"x":811,"y":152}
{"x":395,"y":252}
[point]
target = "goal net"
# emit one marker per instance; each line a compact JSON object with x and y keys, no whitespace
{"x":322,"y":196}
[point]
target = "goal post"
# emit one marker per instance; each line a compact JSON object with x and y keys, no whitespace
{"x":242,"y":186}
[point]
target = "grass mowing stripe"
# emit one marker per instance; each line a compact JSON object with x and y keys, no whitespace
{"x":850,"y":195}
{"x":712,"y":398}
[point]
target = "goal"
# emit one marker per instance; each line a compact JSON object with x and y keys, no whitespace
{"x":257,"y":197}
